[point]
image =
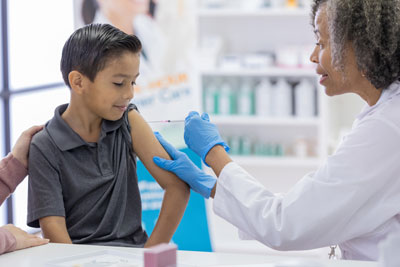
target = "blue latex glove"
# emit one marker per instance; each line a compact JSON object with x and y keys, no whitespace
{"x":201,"y":135}
{"x":184,"y":168}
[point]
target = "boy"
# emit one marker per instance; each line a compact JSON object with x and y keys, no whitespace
{"x":83,"y":186}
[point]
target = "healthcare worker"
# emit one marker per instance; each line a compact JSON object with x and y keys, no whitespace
{"x":353,"y":199}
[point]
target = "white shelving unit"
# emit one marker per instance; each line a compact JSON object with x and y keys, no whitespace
{"x":252,"y":31}
{"x":287,"y":72}
{"x":263,"y":12}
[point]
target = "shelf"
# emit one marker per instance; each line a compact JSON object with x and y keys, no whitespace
{"x":260,"y":121}
{"x":262,"y":12}
{"x":273,"y":71}
{"x":276,"y":161}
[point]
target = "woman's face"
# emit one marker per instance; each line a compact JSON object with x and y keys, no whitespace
{"x":126,"y":7}
{"x":336,"y":82}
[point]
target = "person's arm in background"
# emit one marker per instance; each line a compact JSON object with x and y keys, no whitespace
{"x":13,"y":169}
{"x":177,"y":192}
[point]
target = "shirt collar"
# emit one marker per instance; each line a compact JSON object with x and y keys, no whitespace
{"x":388,"y":93}
{"x":66,"y":138}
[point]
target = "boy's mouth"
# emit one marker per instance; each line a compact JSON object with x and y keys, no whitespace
{"x":121,"y":107}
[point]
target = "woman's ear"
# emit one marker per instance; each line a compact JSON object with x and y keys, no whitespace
{"x":76,"y":81}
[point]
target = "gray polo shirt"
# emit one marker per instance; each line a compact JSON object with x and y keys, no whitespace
{"x":93,"y":185}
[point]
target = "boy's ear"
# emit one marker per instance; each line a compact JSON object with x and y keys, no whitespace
{"x":76,"y":81}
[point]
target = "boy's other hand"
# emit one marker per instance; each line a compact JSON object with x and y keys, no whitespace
{"x":21,"y":148}
{"x":24,"y":240}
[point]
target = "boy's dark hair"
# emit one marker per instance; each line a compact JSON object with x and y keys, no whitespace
{"x":89,"y":47}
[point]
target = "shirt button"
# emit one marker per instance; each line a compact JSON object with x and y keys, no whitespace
{"x":104,"y":165}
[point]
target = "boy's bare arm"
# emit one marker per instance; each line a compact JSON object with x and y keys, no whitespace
{"x":55,"y":229}
{"x":177,"y":192}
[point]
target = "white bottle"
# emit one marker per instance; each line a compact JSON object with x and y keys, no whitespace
{"x":246,"y":98}
{"x":210,"y":98}
{"x":282,"y":98}
{"x":225,"y":98}
{"x":304,"y":99}
{"x":263,"y":98}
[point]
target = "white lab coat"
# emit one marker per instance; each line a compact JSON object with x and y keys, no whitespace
{"x":352,"y":200}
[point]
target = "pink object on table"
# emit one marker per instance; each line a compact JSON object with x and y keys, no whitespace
{"x":162,"y":255}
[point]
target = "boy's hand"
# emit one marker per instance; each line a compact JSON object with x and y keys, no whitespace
{"x":20,"y":150}
{"x":24,"y":240}
{"x":201,"y":135}
{"x":184,"y":168}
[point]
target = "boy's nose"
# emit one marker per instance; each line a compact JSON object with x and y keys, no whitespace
{"x":129,"y":93}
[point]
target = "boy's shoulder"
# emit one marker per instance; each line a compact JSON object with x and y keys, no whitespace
{"x":43,"y":140}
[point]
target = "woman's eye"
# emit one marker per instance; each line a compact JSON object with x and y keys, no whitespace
{"x":133,"y":83}
{"x":319,"y":44}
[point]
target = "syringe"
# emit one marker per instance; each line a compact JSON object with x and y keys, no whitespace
{"x":166,"y":121}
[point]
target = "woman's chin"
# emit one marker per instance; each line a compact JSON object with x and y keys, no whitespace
{"x":333,"y":92}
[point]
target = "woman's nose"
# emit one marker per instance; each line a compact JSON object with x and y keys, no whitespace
{"x":314,"y":55}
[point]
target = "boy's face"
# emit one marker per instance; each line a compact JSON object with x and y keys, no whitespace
{"x":108,"y":96}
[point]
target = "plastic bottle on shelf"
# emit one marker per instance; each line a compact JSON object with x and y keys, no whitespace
{"x":226,"y":99}
{"x":279,"y":151}
{"x":304,"y":99}
{"x":245,"y":145}
{"x":263,"y":98}
{"x":268,"y":150}
{"x":258,"y":147}
{"x":292,"y":3}
{"x":211,"y":98}
{"x":276,"y":3}
{"x":234,"y":145}
{"x":300,"y":148}
{"x":245,"y":98}
{"x":213,"y":3}
{"x":282,"y":98}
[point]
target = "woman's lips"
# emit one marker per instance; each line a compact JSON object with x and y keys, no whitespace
{"x":323,"y":78}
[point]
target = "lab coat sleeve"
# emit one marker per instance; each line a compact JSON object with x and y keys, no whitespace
{"x":351,"y":194}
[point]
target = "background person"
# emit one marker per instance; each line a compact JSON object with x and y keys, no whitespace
{"x":132,"y":17}
{"x":13,"y":169}
{"x":353,"y":198}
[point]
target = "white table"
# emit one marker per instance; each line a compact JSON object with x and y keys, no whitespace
{"x":38,"y":256}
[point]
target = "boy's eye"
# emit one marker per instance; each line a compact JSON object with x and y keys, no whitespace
{"x":118,"y":84}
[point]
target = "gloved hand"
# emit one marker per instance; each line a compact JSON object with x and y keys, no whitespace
{"x":201,"y":135}
{"x":184,"y":168}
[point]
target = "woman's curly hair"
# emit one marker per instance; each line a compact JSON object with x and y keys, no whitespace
{"x":372,"y":27}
